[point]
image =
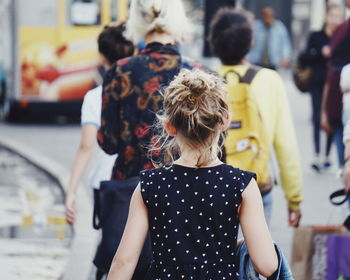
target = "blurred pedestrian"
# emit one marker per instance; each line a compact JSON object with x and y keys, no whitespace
{"x":271,"y":45}
{"x":331,"y":110}
{"x":131,"y":94}
{"x":231,"y":37}
{"x":193,"y":205}
{"x":112,"y":46}
{"x":316,"y":57}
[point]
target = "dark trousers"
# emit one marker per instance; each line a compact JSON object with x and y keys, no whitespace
{"x":316,"y":102}
{"x":114,"y":200}
{"x":338,"y":141}
{"x":2,"y":92}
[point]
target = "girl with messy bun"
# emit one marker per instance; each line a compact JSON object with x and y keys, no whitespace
{"x":192,"y":206}
{"x":194,"y":106}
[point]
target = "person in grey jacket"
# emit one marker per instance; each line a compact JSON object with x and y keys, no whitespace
{"x":271,"y":46}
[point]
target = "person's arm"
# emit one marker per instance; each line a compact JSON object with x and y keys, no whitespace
{"x":134,"y":236}
{"x":287,"y":153}
{"x":255,"y":231}
{"x":345,"y":79}
{"x":346,"y":172}
{"x":324,"y":116}
{"x":109,"y":131}
{"x":87,"y":141}
{"x":286,"y":47}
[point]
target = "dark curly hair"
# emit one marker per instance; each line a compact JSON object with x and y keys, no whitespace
{"x":113,"y":45}
{"x":230,"y":35}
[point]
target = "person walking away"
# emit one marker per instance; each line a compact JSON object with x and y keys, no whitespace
{"x":331,"y":110}
{"x":193,"y":205}
{"x":131,"y":93}
{"x":112,"y":46}
{"x":269,"y":122}
{"x":271,"y":46}
{"x":316,"y":57}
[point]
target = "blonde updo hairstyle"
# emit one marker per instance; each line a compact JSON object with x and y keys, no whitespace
{"x":162,"y":16}
{"x":195,"y":104}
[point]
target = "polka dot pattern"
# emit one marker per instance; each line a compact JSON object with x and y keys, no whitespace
{"x":193,"y":219}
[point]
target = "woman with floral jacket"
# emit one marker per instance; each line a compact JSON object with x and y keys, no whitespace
{"x":131,"y":88}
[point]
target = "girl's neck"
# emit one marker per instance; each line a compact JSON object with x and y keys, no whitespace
{"x":190,"y":157}
{"x":193,"y":164}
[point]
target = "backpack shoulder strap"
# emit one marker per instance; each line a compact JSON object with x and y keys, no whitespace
{"x":250,"y":74}
{"x":234,"y":72}
{"x":248,"y":77}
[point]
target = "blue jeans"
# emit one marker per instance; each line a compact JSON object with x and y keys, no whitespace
{"x":338,"y":140}
{"x":267,"y":201}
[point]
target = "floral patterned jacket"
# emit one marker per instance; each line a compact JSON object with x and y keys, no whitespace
{"x":130,"y":100}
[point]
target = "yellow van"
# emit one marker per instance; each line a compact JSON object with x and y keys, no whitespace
{"x":55,"y":59}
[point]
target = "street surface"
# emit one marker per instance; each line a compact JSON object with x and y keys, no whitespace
{"x":59,"y":142}
{"x":32,"y":219}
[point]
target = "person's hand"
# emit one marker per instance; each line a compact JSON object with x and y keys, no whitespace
{"x":346,"y":178}
{"x":326,"y":51}
{"x":294,"y":217}
{"x":70,"y":208}
{"x":325,"y":123}
{"x":285,"y":63}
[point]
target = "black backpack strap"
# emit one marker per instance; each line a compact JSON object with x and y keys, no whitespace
{"x":234,"y":72}
{"x":248,"y":77}
{"x":96,"y":216}
{"x":339,"y":193}
{"x":250,"y":74}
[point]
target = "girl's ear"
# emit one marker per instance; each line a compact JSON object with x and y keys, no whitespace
{"x":170,"y":129}
{"x":227,"y":121}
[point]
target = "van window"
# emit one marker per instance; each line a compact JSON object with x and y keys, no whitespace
{"x":85,"y":12}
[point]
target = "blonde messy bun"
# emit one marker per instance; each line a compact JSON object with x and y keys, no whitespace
{"x":195,"y":104}
{"x":148,"y":16}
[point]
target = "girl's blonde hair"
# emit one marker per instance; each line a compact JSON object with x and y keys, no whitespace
{"x":195,"y":104}
{"x":147,"y":16}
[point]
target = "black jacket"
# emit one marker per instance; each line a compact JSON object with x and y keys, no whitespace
{"x":312,"y":56}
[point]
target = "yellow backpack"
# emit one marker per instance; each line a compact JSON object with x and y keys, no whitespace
{"x":246,"y":144}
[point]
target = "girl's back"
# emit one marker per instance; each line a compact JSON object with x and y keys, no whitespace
{"x":193,"y":220}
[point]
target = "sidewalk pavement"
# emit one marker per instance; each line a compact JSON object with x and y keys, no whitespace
{"x":43,"y":147}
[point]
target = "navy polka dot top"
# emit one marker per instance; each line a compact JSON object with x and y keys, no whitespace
{"x":193,"y":220}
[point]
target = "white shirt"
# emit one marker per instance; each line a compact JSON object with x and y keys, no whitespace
{"x":345,"y":79}
{"x":101,"y":165}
